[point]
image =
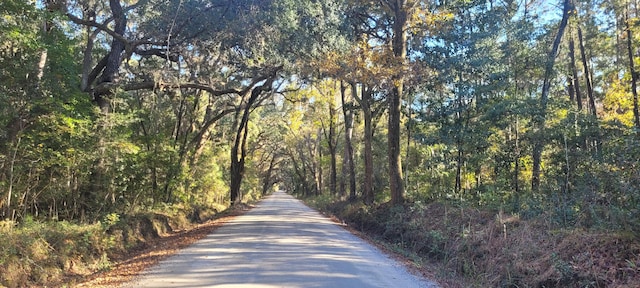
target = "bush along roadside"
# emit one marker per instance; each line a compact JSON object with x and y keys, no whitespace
{"x":52,"y":253}
{"x":479,"y":248}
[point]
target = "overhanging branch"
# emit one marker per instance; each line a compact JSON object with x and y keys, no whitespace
{"x":150,"y":85}
{"x":95,"y":24}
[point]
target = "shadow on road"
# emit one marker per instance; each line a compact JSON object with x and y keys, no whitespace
{"x":280,"y":243}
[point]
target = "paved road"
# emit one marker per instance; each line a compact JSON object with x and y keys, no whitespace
{"x":280,"y":243}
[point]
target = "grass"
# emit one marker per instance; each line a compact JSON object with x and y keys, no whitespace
{"x":37,"y":252}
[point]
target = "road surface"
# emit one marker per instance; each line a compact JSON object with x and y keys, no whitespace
{"x":280,"y":243}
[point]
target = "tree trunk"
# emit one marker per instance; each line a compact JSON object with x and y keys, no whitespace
{"x":318,"y":163}
{"x":41,"y":66}
{"x":634,"y":75}
{"x":9,"y":212}
{"x":239,"y":148}
{"x":266,"y":180}
{"x":459,"y":143}
{"x":460,"y":154}
{"x":111,"y":64}
{"x":331,"y":142}
{"x":310,"y":165}
{"x":239,"y":152}
{"x":539,"y":121}
{"x":516,"y":170}
{"x":342,"y":191}
{"x":349,"y":145}
{"x":574,"y":72}
{"x":399,"y":45}
{"x":334,"y":171}
{"x":114,"y":58}
{"x":587,"y":75}
{"x":367,"y":99}
{"x":237,"y":173}
{"x":298,"y":168}
{"x":408,"y":152}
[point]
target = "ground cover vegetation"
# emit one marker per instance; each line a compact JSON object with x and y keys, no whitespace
{"x":499,"y":138}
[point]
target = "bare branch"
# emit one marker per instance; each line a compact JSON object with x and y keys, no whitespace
{"x":95,"y":24}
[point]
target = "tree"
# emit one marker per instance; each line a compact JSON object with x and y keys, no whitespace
{"x":632,"y":70}
{"x":575,"y":83}
{"x":348,"y":162}
{"x":250,"y":99}
{"x":391,"y":25}
{"x":400,"y":12}
{"x":540,"y":119}
{"x":19,"y":35}
{"x":331,"y":138}
{"x":366,"y":102}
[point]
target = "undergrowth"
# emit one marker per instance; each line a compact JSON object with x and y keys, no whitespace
{"x":492,"y":249}
{"x":36,"y":253}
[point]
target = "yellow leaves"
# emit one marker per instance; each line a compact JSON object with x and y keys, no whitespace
{"x":562,"y":114}
{"x":421,"y":14}
{"x":8,"y":19}
{"x":372,"y":60}
{"x":331,"y":64}
{"x":367,"y":62}
{"x":133,"y":63}
{"x":127,"y":147}
{"x":423,"y":21}
{"x":295,"y":120}
{"x":618,"y":103}
{"x":377,"y":61}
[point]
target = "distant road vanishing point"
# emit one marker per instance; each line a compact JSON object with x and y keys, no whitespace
{"x":280,"y":243}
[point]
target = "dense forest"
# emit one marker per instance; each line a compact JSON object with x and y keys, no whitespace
{"x":526,"y":111}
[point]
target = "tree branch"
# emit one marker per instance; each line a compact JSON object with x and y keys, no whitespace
{"x":162,"y":53}
{"x":95,"y":24}
{"x":149,"y":85}
{"x":96,"y":71}
{"x":198,"y":137}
